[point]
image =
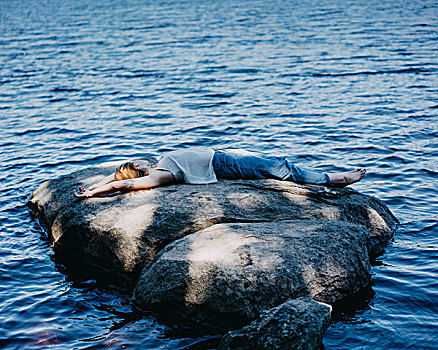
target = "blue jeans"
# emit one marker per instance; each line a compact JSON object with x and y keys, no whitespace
{"x":241,"y":164}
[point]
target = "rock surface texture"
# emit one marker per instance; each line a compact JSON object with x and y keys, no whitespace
{"x":230,"y":273}
{"x":301,"y":322}
{"x":222,"y":253}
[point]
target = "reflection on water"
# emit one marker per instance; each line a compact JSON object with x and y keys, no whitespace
{"x":334,"y":84}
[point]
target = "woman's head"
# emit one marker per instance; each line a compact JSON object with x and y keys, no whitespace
{"x":135,"y":168}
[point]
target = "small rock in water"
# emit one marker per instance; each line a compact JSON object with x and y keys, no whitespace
{"x":296,"y":324}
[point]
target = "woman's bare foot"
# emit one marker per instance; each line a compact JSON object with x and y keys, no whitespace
{"x":347,"y":178}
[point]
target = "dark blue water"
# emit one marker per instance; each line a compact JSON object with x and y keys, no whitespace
{"x":334,"y":84}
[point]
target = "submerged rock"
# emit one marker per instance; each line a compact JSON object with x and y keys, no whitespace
{"x":295,"y":324}
{"x":220,"y":253}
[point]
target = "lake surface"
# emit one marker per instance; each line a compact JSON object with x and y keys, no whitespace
{"x":333,"y":84}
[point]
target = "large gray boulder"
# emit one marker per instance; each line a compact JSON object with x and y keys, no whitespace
{"x":230,"y":273}
{"x":296,"y":324}
{"x":223,"y":253}
{"x":124,"y":232}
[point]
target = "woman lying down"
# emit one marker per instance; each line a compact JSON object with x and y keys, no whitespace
{"x":204,"y":166}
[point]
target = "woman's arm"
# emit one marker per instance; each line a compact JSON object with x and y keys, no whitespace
{"x":105,"y":181}
{"x":157,"y":178}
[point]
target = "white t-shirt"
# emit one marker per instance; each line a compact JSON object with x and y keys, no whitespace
{"x":193,"y":165}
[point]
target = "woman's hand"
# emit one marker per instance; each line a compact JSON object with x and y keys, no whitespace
{"x":83,"y":193}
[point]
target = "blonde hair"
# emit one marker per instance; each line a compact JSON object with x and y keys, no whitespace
{"x":128,"y":171}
